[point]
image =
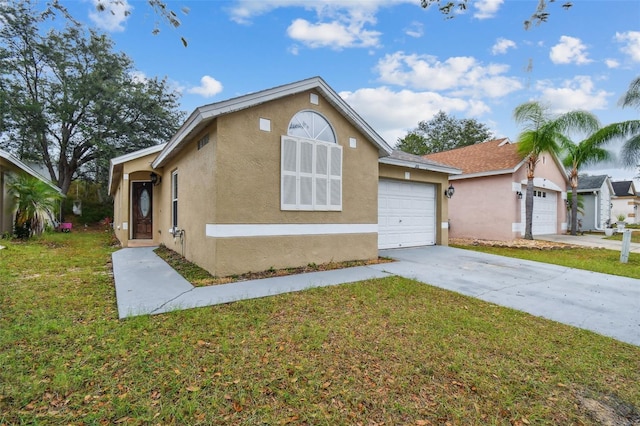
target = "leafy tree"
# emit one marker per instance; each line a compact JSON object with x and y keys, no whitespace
{"x":448,"y":8}
{"x":631,"y":148}
{"x":36,"y":202}
{"x":442,"y":133}
{"x":545,"y":133}
{"x":69,"y":102}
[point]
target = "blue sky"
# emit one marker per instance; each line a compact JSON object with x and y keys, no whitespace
{"x":394,"y":62}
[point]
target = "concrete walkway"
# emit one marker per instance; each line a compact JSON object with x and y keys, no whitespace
{"x":602,"y":303}
{"x":146,"y":284}
{"x":589,"y":240}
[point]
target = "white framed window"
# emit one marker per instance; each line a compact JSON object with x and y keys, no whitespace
{"x":311,"y":125}
{"x":310,"y":165}
{"x":174,"y":199}
{"x":311,"y":175}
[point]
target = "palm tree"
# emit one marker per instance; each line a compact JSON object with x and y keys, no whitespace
{"x":570,"y":204}
{"x":587,"y":151}
{"x":35,"y":201}
{"x":631,"y":148}
{"x":544,"y":132}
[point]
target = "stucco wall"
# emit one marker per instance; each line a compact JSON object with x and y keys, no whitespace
{"x":235,"y":180}
{"x":484,"y":208}
{"x":441,"y":180}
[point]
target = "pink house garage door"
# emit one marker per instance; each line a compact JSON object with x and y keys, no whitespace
{"x":545,"y":212}
{"x":406,"y":214}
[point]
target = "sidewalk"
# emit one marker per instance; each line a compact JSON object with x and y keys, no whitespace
{"x":589,"y":240}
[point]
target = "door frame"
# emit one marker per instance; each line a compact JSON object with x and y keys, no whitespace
{"x":131,"y":195}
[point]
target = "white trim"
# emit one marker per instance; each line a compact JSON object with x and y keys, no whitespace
{"x":19,"y":164}
{"x":287,"y":229}
{"x":420,"y":166}
{"x":137,"y":154}
{"x":544,"y":183}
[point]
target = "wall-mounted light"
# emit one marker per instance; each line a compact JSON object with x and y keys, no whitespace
{"x":449,"y":191}
{"x":155,"y":178}
{"x":519,"y":195}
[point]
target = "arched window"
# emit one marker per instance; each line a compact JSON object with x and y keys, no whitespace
{"x":311,"y":125}
{"x":310,"y":165}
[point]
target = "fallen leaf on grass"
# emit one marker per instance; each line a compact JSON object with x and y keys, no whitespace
{"x":193,"y":388}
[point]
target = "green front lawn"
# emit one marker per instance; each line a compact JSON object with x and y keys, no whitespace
{"x":590,"y":259}
{"x":635,"y":237}
{"x":389,"y":351}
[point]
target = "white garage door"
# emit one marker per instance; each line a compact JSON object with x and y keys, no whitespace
{"x":406,"y":214}
{"x":545,"y":214}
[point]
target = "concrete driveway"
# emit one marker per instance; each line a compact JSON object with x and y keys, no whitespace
{"x":606,"y":304}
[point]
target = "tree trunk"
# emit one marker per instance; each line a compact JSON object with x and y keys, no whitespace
{"x":574,"y":210}
{"x":528,"y":229}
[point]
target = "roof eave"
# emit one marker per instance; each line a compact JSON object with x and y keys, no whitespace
{"x":19,"y":164}
{"x":486,"y":173}
{"x":420,"y":166}
{"x":204,"y":114}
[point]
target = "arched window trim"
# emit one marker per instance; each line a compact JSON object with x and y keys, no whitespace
{"x":313,"y":132}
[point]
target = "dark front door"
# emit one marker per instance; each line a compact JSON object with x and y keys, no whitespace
{"x":142,"y":213}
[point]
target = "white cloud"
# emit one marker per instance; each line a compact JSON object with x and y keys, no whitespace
{"x":243,"y":11}
{"x":138,"y":76}
{"x":632,"y":44}
{"x":335,"y":34}
{"x":393,"y":113}
{"x":577,"y":93}
{"x":502,"y":45}
{"x":208,"y":88}
{"x":569,"y":50}
{"x":462,"y":74}
{"x":113,"y":17}
{"x":486,"y":8}
{"x":611,"y":63}
{"x":415,"y":30}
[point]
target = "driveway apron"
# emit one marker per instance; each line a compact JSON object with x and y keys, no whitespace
{"x":602,"y":303}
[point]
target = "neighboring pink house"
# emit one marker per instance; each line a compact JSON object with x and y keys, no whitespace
{"x":489,"y":199}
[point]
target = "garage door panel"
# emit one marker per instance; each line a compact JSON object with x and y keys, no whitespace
{"x":406,"y":214}
{"x":545,"y":213}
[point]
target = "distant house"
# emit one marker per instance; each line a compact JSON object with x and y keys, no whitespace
{"x":279,"y":178}
{"x":489,"y":200}
{"x":595,"y":193}
{"x":11,"y":166}
{"x":625,"y":201}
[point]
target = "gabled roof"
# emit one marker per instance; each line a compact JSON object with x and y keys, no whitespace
{"x":591,"y":183}
{"x":29,"y":170}
{"x":116,"y":164}
{"x":403,"y":159}
{"x":498,"y":156}
{"x":203,"y":115}
{"x":623,"y":188}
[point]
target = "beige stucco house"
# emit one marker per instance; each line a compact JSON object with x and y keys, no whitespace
{"x":11,"y":166}
{"x":489,"y":201}
{"x":279,"y":178}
